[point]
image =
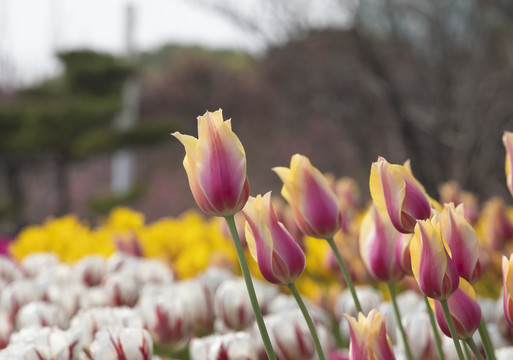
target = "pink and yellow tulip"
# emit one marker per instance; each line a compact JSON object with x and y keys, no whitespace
{"x":507,"y":279}
{"x":507,"y":140}
{"x":279,"y":257}
{"x":397,"y":193}
{"x":465,"y":311}
{"x":462,"y":241}
{"x":377,"y":246}
{"x":215,"y":163}
{"x":432,"y":267}
{"x":369,"y":340}
{"x":314,"y":203}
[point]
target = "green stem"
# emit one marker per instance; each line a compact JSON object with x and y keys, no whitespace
{"x":467,"y":353}
{"x":346,"y":274}
{"x":452,"y":329}
{"x":436,"y":335}
{"x":311,"y":326}
{"x":487,"y":343}
{"x":391,"y":289}
{"x":251,"y":290}
{"x":474,"y":348}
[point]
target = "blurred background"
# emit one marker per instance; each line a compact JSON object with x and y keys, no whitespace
{"x":91,"y":90}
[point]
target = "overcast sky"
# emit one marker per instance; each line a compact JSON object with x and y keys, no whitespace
{"x":32,"y":30}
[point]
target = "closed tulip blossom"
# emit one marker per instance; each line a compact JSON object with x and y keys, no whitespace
{"x":215,"y":163}
{"x":166,"y":321}
{"x":402,"y":252}
{"x":462,"y":241}
{"x":465,"y":311}
{"x":507,"y":292}
{"x":314,"y":203}
{"x":118,"y":343}
{"x":432,"y":267}
{"x":377,"y":246}
{"x":369,"y":340}
{"x":279,"y":257}
{"x":397,"y":193}
{"x":507,"y":140}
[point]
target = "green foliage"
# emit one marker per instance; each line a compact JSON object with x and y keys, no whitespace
{"x":89,"y":72}
{"x":103,"y":205}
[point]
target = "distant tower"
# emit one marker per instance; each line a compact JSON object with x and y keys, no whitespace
{"x":123,"y":159}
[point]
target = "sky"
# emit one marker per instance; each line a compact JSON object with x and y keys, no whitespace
{"x":31,"y":31}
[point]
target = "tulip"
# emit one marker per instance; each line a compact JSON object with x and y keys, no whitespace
{"x":377,"y":246}
{"x":231,"y":346}
{"x":450,"y":192}
{"x":40,"y":314}
{"x":507,"y":292}
{"x":402,"y":252}
{"x":291,"y":338}
{"x":462,"y":241}
{"x":215,"y":163}
{"x":432,"y":267}
{"x":121,"y":289}
{"x":315,"y":205}
{"x":397,"y":193}
{"x":464,"y":309}
{"x":507,"y":140}
{"x":167,"y":323}
{"x":369,"y":340}
{"x":91,"y":269}
{"x":122,"y":344}
{"x":279,"y":257}
{"x":232,"y":306}
{"x":497,"y":227}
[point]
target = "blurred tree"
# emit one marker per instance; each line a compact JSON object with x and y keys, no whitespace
{"x":67,"y":119}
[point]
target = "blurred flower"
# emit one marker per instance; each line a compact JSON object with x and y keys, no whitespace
{"x":232,"y":305}
{"x":464,"y":309}
{"x":41,"y":314}
{"x":507,"y":292}
{"x":17,"y":294}
{"x":166,"y":321}
{"x":128,"y":244}
{"x":291,"y":338}
{"x":377,"y":246}
{"x":279,"y":257}
{"x":450,"y":192}
{"x":91,"y":269}
{"x":9,"y":270}
{"x":418,"y":331}
{"x":462,"y":241}
{"x":432,"y":267}
{"x":285,"y":215}
{"x":315,"y":205}
{"x":496,"y":224}
{"x":44,"y":343}
{"x":231,"y":346}
{"x":121,"y":289}
{"x":397,"y":193}
{"x":507,"y":140}
{"x":369,"y":339}
{"x":215,"y":163}
{"x":402,"y":252}
{"x":122,"y":344}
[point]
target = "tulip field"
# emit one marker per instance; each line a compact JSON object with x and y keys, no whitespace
{"x":312,"y":274}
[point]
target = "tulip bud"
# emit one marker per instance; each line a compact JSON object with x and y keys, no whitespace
{"x":369,"y":339}
{"x":432,"y":267}
{"x":402,"y":252}
{"x":377,"y":244}
{"x":397,"y":193}
{"x":464,"y":309}
{"x":315,"y":205}
{"x":462,"y":241}
{"x":291,"y":337}
{"x":507,"y":292}
{"x":215,"y":163}
{"x":279,"y":257}
{"x":41,"y":314}
{"x":121,"y":289}
{"x":33,"y":263}
{"x":418,"y":331}
{"x":231,"y":346}
{"x":197,"y":301}
{"x":91,"y":269}
{"x":507,"y":140}
{"x":498,"y":229}
{"x":167,"y":323}
{"x":122,"y":344}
